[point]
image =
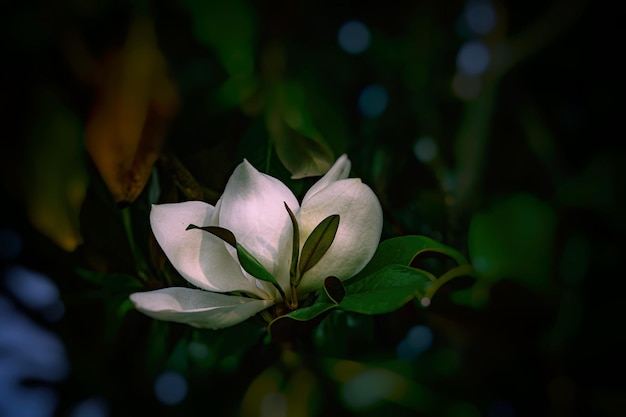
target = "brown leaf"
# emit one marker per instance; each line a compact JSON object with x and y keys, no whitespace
{"x":136,"y":100}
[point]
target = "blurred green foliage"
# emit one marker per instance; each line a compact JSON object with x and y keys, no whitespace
{"x":525,"y":182}
{"x":515,"y":239}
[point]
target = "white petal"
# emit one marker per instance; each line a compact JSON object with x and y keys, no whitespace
{"x":265,"y":287}
{"x":358,"y":235}
{"x":196,"y":307}
{"x":252,"y":207}
{"x":201,"y":258}
{"x":339,"y":171}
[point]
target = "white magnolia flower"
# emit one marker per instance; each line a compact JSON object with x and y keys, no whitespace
{"x":253,"y":209}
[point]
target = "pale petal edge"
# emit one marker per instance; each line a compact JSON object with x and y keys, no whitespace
{"x":199,"y":257}
{"x":339,"y":171}
{"x":197,"y":308}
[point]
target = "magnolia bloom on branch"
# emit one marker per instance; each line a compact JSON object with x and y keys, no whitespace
{"x":266,"y":219}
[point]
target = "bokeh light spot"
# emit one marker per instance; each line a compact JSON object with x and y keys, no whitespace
{"x":373,"y":101}
{"x":473,"y":58}
{"x":480,"y":16}
{"x":170,"y":388}
{"x":10,"y":244}
{"x":417,"y":341}
{"x":404,"y":351}
{"x":425,"y":149}
{"x":351,"y":321}
{"x":35,"y":291}
{"x":91,"y":407}
{"x":420,"y":338}
{"x":449,"y":184}
{"x":20,"y":401}
{"x":353,"y":37}
{"x":482,"y":264}
{"x":29,"y":356}
{"x":198,"y":350}
{"x":369,"y":387}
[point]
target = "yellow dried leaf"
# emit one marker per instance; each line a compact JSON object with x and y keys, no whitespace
{"x":136,"y":100}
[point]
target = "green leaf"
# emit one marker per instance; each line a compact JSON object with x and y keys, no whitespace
{"x":112,"y":290}
{"x":178,"y":359}
{"x":326,"y":110}
{"x":295,"y":250}
{"x":254,"y":267}
{"x":402,"y":250}
{"x":259,"y":151}
{"x":342,"y":334}
{"x":514,"y":239}
{"x":309,"y":313}
{"x":52,"y":176}
{"x":326,"y":301}
{"x":289,"y":327}
{"x":228,"y":27}
{"x":248,"y":262}
{"x":299,"y":145}
{"x":281,"y":327}
{"x":318,"y":242}
{"x":235,"y":90}
{"x":224,"y":234}
{"x":459,"y":271}
{"x":385,"y":290}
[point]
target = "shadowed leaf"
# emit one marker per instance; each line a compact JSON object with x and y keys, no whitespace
{"x":295,"y":251}
{"x":54,"y":176}
{"x":249,"y":263}
{"x":318,"y":242}
{"x":402,"y":250}
{"x":299,"y":145}
{"x":334,"y":289}
{"x":283,"y":327}
{"x":386,"y":290}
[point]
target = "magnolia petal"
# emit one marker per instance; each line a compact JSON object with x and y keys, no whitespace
{"x":263,"y":286}
{"x":196,"y":307}
{"x":358,"y":235}
{"x":252,"y":207}
{"x":339,"y":171}
{"x":201,"y":258}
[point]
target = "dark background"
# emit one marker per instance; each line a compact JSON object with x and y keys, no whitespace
{"x":98,"y":96}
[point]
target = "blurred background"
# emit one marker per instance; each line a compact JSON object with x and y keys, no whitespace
{"x":487,"y":125}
